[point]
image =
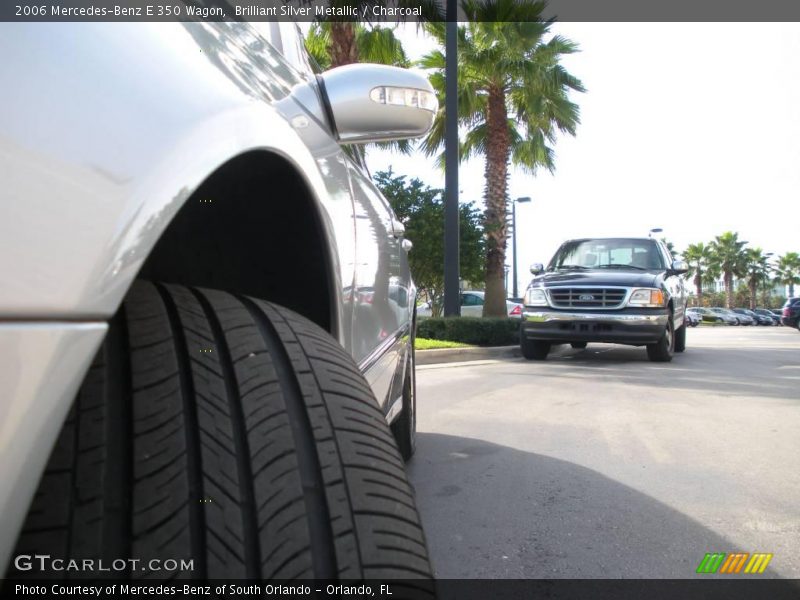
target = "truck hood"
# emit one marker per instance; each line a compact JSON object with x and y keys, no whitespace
{"x":599,"y":277}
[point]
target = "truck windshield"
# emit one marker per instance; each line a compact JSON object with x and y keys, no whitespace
{"x":617,"y":253}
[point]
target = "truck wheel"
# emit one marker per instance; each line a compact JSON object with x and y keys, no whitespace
{"x":231,"y":433}
{"x":405,"y":426}
{"x":663,"y":349}
{"x":533,"y":349}
{"x":578,"y":345}
{"x":680,"y":338}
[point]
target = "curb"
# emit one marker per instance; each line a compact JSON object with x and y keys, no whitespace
{"x":448,"y":355}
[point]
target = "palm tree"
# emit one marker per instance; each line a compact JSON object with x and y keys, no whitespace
{"x":757,"y":265}
{"x":698,"y":256}
{"x":728,"y":257}
{"x":513,"y":100}
{"x":344,"y":42}
{"x":787,"y":271}
{"x":367,"y":44}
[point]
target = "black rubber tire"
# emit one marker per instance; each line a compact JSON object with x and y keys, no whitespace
{"x":533,"y":349}
{"x":680,"y":338}
{"x":664,"y":348}
{"x":231,"y":432}
{"x":579,"y":345}
{"x":404,"y":427}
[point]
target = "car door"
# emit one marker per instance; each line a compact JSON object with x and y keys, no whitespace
{"x":384,"y":296}
{"x":471,"y":305}
{"x":675,"y":285}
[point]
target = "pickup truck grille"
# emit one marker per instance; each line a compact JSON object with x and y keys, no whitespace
{"x":587,"y":297}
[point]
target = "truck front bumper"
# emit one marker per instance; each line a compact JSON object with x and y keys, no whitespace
{"x":627,"y":326}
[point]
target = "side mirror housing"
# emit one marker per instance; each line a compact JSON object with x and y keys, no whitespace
{"x":378,"y":103}
{"x":537,"y":268}
{"x":679,"y":266}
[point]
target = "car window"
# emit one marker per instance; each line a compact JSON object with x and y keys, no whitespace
{"x":471,"y":300}
{"x":609,"y":253}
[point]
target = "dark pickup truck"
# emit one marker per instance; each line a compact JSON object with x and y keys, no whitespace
{"x":611,"y":290}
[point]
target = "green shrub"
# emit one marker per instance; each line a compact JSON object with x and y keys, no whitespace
{"x":470,"y":330}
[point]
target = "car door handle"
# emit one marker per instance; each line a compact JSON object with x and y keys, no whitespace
{"x":398,"y":229}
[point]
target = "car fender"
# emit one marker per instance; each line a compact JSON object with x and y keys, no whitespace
{"x":88,"y":191}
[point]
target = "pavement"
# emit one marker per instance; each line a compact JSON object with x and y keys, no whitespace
{"x":600,"y":464}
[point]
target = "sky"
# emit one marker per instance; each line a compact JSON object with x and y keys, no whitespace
{"x":690,"y":127}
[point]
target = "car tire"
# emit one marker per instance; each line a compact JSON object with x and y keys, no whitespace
{"x":404,"y":427}
{"x":233,"y":433}
{"x":663,"y":349}
{"x":534,"y":349}
{"x":680,"y":338}
{"x":578,"y":345}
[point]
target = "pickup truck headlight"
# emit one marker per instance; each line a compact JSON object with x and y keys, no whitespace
{"x":647,"y":297}
{"x":535,"y":297}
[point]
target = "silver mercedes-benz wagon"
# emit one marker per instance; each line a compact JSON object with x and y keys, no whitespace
{"x":206,"y":311}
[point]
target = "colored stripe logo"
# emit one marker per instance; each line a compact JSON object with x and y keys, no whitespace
{"x":734,"y":563}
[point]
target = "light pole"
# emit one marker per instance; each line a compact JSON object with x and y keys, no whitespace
{"x":452,"y":301}
{"x":521,"y":200}
{"x":765,"y":293}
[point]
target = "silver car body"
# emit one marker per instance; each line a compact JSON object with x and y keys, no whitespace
{"x":105,"y":132}
{"x":726,"y":315}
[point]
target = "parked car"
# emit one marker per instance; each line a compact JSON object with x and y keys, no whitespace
{"x":615,"y":290}
{"x":778,"y":312}
{"x":472,"y":306}
{"x":693,"y":318}
{"x":775,"y":319}
{"x":705,"y":314}
{"x":728,"y":317}
{"x":790,"y":315}
{"x":742,"y":318}
{"x":178,"y":206}
{"x":754,"y":317}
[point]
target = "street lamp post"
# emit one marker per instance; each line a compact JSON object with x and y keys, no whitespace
{"x":521,"y":200}
{"x":452,"y":302}
{"x":765,"y":292}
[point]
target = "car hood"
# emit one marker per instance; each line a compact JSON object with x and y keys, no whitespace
{"x":599,"y":277}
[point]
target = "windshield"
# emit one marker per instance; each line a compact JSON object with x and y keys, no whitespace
{"x":622,"y":253}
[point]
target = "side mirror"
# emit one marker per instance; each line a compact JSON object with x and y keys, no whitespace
{"x":537,"y":268}
{"x":679,"y":266}
{"x":378,"y":103}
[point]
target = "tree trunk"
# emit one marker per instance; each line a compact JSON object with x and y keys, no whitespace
{"x":728,"y":290}
{"x":753,"y":291}
{"x":343,"y":49}
{"x":436,"y":301}
{"x":698,"y":283}
{"x":496,"y":226}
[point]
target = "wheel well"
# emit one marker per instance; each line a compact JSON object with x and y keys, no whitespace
{"x":252,"y":227}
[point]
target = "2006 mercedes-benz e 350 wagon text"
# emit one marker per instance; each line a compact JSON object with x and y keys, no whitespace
{"x":188,"y":371}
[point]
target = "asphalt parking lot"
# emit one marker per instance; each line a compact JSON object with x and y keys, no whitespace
{"x":600,"y":464}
